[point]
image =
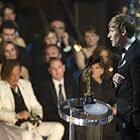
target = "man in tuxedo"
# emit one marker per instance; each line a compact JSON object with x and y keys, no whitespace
{"x":127,"y":79}
{"x":48,"y":92}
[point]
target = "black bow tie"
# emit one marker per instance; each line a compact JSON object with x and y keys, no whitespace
{"x":123,"y":50}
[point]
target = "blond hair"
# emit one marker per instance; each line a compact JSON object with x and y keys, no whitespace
{"x":121,"y":23}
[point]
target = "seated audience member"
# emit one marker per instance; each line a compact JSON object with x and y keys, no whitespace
{"x":65,"y":41}
{"x":82,"y":55}
{"x":100,"y":86}
{"x":51,"y":51}
{"x":23,"y":32}
{"x":103,"y":91}
{"x":8,"y":33}
{"x":124,"y":9}
{"x":49,"y":94}
{"x":40,"y":72}
{"x":8,"y":51}
{"x":49,"y":39}
{"x":15,"y":38}
{"x":52,"y":39}
{"x":20,"y":108}
{"x":107,"y":61}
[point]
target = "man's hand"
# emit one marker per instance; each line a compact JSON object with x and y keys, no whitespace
{"x":24,"y":115}
{"x":114,"y":109}
{"x":65,"y":39}
{"x":118,"y":79}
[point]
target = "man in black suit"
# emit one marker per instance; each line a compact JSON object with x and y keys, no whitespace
{"x":48,"y":91}
{"x":122,"y":34}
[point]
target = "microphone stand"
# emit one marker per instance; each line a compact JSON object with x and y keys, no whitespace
{"x":88,"y":97}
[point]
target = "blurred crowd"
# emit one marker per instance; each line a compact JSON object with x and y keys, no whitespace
{"x":59,"y":60}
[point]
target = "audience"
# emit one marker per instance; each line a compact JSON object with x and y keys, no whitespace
{"x":9,"y":13}
{"x":19,"y":106}
{"x":124,"y":9}
{"x":8,"y":51}
{"x":106,"y":58}
{"x":40,"y":72}
{"x":38,"y":51}
{"x":47,"y":71}
{"x":83,"y":54}
{"x":65,"y":41}
{"x":8,"y":33}
{"x":50,"y":38}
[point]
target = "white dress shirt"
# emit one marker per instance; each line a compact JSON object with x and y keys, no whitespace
{"x":56,"y":85}
{"x":128,"y":45}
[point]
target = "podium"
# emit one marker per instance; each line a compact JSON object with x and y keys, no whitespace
{"x":75,"y":113}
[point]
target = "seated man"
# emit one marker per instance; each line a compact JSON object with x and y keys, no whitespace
{"x":58,"y":87}
{"x":20,"y":108}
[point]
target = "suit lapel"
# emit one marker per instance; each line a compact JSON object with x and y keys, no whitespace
{"x":10,"y":94}
{"x":67,"y":87}
{"x":124,"y":64}
{"x":52,"y":92}
{"x":23,"y":90}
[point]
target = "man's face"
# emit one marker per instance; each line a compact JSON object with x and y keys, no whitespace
{"x":14,"y":77}
{"x":10,"y":52}
{"x":115,"y":37}
{"x":8,"y":34}
{"x":97,"y":71}
{"x":52,"y":52}
{"x":57,"y":70}
{"x":50,"y":39}
{"x":9,"y":14}
{"x":59,"y":28}
{"x":91,"y":39}
{"x":104,"y":54}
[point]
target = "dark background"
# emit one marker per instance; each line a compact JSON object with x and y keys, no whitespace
{"x":76,"y":13}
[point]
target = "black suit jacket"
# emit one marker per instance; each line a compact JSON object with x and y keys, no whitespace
{"x":24,"y":57}
{"x":46,"y":94}
{"x":128,"y":93}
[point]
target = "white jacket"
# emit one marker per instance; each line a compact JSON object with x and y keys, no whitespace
{"x":7,"y":105}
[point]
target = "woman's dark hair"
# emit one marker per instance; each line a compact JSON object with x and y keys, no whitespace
{"x":7,"y":68}
{"x":95,"y":59}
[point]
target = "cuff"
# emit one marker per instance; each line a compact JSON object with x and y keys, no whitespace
{"x":67,"y":48}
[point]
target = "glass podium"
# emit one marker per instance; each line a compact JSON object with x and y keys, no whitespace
{"x":94,"y":115}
